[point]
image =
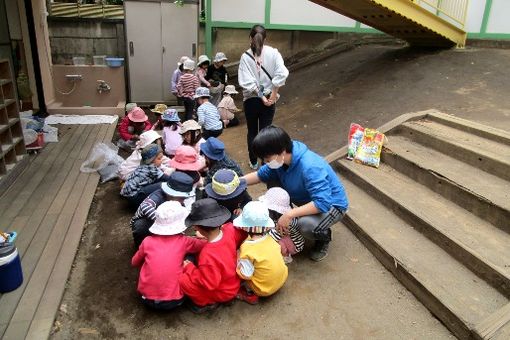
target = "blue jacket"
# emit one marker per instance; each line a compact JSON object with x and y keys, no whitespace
{"x":308,"y":178}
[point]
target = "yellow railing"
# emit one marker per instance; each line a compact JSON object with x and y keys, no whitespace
{"x":453,"y":11}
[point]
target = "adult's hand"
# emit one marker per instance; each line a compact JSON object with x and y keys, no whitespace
{"x":267,"y":102}
{"x":283,"y":224}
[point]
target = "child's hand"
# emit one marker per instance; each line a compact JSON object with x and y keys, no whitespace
{"x":185,"y":263}
{"x":198,"y":235}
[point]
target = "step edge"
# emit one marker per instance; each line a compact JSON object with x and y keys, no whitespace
{"x":488,"y":327}
{"x":500,"y":282}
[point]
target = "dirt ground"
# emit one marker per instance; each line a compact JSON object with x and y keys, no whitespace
{"x":349,"y":295}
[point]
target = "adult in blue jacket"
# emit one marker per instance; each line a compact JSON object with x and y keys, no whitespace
{"x":314,"y":188}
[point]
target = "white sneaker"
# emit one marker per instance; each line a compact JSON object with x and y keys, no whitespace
{"x":254,"y":166}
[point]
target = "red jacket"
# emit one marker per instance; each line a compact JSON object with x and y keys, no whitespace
{"x":161,"y":260}
{"x":214,"y":279}
{"x":124,"y":128}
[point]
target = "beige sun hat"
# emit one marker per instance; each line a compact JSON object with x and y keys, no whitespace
{"x":159,"y":108}
{"x":170,"y":217}
{"x":202,"y":59}
{"x":230,"y":89}
{"x":190,"y":125}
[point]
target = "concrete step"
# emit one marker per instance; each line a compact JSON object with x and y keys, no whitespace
{"x":476,"y":243}
{"x":489,"y":155}
{"x":477,"y":191}
{"x":458,"y":297}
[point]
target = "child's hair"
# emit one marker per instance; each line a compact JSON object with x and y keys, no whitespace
{"x":195,"y":137}
{"x":257,"y":35}
{"x":274,"y":215}
{"x":173,"y":125}
{"x":193,"y":174}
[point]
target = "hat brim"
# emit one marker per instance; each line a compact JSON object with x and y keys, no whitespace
{"x":218,"y":60}
{"x":239,"y":190}
{"x":158,"y":112}
{"x":211,"y":222}
{"x":197,"y":96}
{"x":231,"y":92}
{"x":207,"y":151}
{"x":171,"y":192}
{"x":175,"y":228}
{"x":239,"y":222}
{"x":274,"y":207}
{"x":197,"y":165}
{"x":137,"y":120}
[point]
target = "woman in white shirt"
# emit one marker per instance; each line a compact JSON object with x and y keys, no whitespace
{"x":261,"y":74}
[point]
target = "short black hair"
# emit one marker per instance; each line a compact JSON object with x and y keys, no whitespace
{"x":271,"y":140}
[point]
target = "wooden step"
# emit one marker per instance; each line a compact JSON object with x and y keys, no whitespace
{"x":484,"y":194}
{"x":490,"y":156}
{"x":479,"y":245}
{"x":453,"y":293}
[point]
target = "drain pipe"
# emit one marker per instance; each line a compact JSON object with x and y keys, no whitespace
{"x":35,"y":58}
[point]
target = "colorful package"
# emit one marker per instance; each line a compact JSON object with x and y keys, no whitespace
{"x":369,"y":151}
{"x":356,"y":133}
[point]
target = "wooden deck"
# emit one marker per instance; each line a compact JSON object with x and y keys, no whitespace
{"x":48,"y":205}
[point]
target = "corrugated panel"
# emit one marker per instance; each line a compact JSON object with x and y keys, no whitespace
{"x":68,"y":10}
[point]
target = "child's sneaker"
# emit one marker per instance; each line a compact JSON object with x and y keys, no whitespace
{"x":254,"y":166}
{"x":202,"y":309}
{"x":250,"y":298}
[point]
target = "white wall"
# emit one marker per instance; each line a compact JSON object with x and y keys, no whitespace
{"x":292,"y":12}
{"x":252,"y":11}
{"x":499,"y":21}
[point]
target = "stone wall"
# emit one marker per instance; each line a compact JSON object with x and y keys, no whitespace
{"x":85,"y":38}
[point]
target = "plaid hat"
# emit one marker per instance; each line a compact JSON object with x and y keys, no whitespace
{"x":170,"y":115}
{"x":170,"y":219}
{"x":207,"y":213}
{"x":179,"y":185}
{"x":220,"y":56}
{"x":254,"y":218}
{"x":202,"y":59}
{"x":159,"y":108}
{"x":150,"y":152}
{"x":189,"y":65}
{"x":137,"y":115}
{"x":186,"y":159}
{"x":225,"y":185}
{"x":146,"y":138}
{"x":276,"y":199}
{"x":190,"y":125}
{"x":202,"y":92}
{"x":213,"y":148}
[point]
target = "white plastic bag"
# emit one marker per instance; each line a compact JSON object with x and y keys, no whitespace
{"x":50,"y":134}
{"x":102,"y":155}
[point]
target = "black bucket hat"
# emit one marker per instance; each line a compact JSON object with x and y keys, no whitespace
{"x":207,"y":213}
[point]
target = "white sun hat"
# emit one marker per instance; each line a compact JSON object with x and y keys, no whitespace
{"x":276,"y":199}
{"x":170,"y":218}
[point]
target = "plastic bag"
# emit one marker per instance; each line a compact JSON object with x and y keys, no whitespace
{"x":103,"y":155}
{"x":369,"y":151}
{"x":356,"y":133}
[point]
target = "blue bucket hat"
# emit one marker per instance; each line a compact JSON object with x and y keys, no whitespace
{"x":254,"y":218}
{"x":150,"y":152}
{"x":179,"y":185}
{"x":213,"y":148}
{"x":170,"y":115}
{"x":225,"y":185}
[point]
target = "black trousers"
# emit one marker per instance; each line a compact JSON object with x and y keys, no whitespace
{"x":258,"y":116}
{"x":211,"y":133}
{"x":140,"y":229}
{"x":189,"y":107}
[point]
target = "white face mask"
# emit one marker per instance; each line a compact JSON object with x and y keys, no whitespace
{"x":274,"y":164}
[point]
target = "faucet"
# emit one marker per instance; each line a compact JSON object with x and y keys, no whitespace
{"x":102,"y":86}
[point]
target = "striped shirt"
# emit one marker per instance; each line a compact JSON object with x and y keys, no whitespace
{"x":147,"y":208}
{"x":187,"y":85}
{"x":295,"y":235}
{"x":209,"y":117}
{"x":142,"y":176}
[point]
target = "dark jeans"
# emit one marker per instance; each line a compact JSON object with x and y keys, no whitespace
{"x":140,"y":230}
{"x":163,"y":305}
{"x":233,"y":122}
{"x":258,"y":116}
{"x":211,"y":133}
{"x":189,"y":107}
{"x":135,"y":200}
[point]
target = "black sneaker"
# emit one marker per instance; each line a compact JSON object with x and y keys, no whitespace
{"x":203,"y":309}
{"x":319,"y":251}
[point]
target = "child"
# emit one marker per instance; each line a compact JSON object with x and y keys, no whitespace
{"x":186,"y":87}
{"x":217,"y":77}
{"x":277,"y":200}
{"x":216,"y":158}
{"x":208,"y":115}
{"x":229,"y":191}
{"x":213,"y":280}
{"x":175,"y":79}
{"x":228,"y":108}
{"x":191,"y":134}
{"x":131,"y":127}
{"x":186,"y":160}
{"x":178,"y":188}
{"x":172,"y":138}
{"x":133,"y":161}
{"x":202,"y":65}
{"x":160,"y":257}
{"x":158,"y":109}
{"x":260,"y":260}
{"x":141,"y":182}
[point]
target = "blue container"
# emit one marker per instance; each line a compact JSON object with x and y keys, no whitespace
{"x":11,"y":275}
{"x":114,"y":62}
